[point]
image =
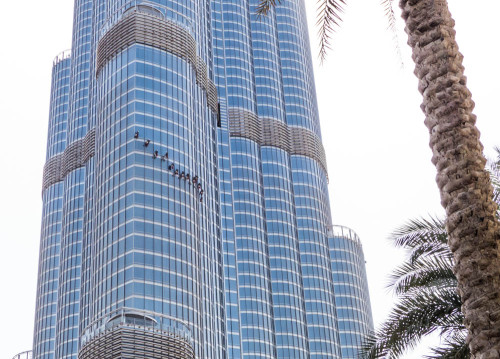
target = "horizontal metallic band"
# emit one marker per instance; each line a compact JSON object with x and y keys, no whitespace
{"x":270,"y":132}
{"x":130,"y":342}
{"x":137,"y":27}
{"x":73,"y":157}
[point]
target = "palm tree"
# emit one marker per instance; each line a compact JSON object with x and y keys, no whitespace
{"x":464,"y":184}
{"x":426,"y":289}
{"x":427,"y":297}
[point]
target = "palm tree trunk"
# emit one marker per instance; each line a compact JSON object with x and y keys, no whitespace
{"x":464,"y":184}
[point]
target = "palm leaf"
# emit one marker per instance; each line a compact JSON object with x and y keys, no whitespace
{"x":454,"y":348}
{"x":494,"y":169}
{"x":423,"y":238}
{"x":418,"y":231}
{"x":413,"y":317}
{"x":426,"y":290}
{"x":327,"y":19}
{"x":431,"y":249}
{"x":391,"y":18}
{"x":422,"y":274}
{"x":265,"y":6}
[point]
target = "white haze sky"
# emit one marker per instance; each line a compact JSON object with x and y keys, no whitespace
{"x":373,"y":132}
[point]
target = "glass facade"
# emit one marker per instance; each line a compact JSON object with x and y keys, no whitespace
{"x":52,"y":214}
{"x":67,"y":321}
{"x":186,"y":183}
{"x":351,"y":289}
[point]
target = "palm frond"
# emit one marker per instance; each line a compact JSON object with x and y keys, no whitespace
{"x":455,"y":347}
{"x":327,"y":19}
{"x":496,"y":163}
{"x":369,"y":348}
{"x":494,"y":170}
{"x":265,"y":6}
{"x":431,"y":249}
{"x":423,"y":238}
{"x":391,"y":19}
{"x":425,"y":273}
{"x":413,"y":317}
{"x":418,"y":231}
{"x":389,"y":12}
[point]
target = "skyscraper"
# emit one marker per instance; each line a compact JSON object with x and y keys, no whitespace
{"x":185,"y":194}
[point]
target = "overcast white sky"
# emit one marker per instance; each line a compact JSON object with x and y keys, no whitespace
{"x":373,"y":132}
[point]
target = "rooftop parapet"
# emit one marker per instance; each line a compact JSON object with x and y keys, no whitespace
{"x":24,"y":355}
{"x":343,"y":232}
{"x":140,"y":319}
{"x":63,"y":55}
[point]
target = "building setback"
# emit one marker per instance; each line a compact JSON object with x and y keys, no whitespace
{"x":352,"y":299}
{"x":186,"y":210}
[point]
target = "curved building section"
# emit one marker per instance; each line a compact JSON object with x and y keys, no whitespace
{"x":272,"y":132}
{"x":156,"y":238}
{"x":252,"y":253}
{"x":68,"y":308}
{"x":185,"y":189}
{"x":86,"y":282}
{"x":283,"y":245}
{"x":159,"y":337}
{"x":309,"y":185}
{"x":309,"y":179}
{"x":231,"y":301}
{"x":67,"y":326}
{"x":296,"y":66}
{"x":80,"y":69}
{"x":351,"y":289}
{"x":286,"y":274}
{"x":266,"y":64}
{"x":87,"y":259}
{"x":52,"y":197}
{"x":240,"y":86}
{"x":59,"y":102}
{"x":279,"y":183}
{"x":257,"y":339}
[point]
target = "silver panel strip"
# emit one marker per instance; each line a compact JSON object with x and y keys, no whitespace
{"x":271,"y":132}
{"x":143,"y":28}
{"x":245,"y":124}
{"x":73,"y":157}
{"x":135,"y":342}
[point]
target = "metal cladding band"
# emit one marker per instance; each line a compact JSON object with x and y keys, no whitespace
{"x":132,"y":342}
{"x":73,"y":157}
{"x":270,"y":132}
{"x":137,"y":27}
{"x":307,"y":143}
{"x":245,"y":124}
{"x":276,"y":133}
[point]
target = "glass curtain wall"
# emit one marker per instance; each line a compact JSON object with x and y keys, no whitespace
{"x":157,"y":235}
{"x":52,"y":214}
{"x":143,"y":219}
{"x":186,"y":180}
{"x":351,"y":289}
{"x":67,"y":328}
{"x":279,"y":287}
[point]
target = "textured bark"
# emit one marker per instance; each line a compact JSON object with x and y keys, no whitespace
{"x":466,"y":192}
